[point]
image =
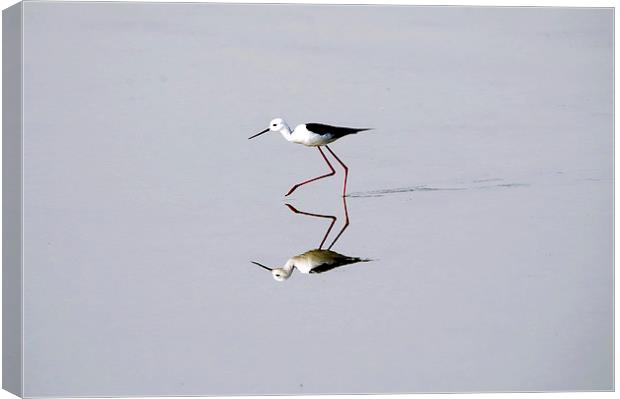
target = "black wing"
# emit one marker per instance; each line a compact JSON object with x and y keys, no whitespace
{"x":336,"y":131}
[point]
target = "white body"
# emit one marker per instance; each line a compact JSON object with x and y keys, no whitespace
{"x":300,"y":135}
{"x":311,"y":259}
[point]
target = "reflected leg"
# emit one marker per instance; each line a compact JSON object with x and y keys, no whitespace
{"x":346,"y":171}
{"x":346,"y":222}
{"x":333,"y":218}
{"x":296,"y":186}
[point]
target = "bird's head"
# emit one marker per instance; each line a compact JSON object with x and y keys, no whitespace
{"x":279,"y":273}
{"x":276,"y":125}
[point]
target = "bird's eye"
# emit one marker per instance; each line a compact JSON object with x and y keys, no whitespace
{"x":274,"y":125}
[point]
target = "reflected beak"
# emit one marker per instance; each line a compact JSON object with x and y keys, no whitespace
{"x":258,"y":264}
{"x":258,"y":134}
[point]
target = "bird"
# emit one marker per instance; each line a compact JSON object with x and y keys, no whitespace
{"x":314,"y":135}
{"x":312,"y":262}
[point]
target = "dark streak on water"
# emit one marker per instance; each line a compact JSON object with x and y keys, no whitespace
{"x":422,"y":188}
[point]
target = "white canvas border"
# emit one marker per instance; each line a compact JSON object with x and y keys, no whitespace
{"x":512,"y":3}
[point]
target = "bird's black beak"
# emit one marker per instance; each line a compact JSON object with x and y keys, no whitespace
{"x":258,"y":134}
{"x":258,"y":264}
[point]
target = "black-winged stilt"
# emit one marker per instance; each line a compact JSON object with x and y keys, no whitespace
{"x":313,"y":135}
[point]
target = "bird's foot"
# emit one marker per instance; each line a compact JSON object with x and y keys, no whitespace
{"x":292,"y":208}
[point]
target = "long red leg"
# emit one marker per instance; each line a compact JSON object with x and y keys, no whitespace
{"x":346,"y":172}
{"x":296,"y":186}
{"x":346,"y":223}
{"x":333,"y":218}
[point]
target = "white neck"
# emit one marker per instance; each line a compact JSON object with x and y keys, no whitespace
{"x":286,"y":131}
{"x":287,"y":269}
{"x":289,"y":266}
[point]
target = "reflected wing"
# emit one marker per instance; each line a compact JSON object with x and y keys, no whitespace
{"x":337,"y":262}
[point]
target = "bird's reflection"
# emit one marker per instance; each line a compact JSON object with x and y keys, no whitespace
{"x":316,"y":260}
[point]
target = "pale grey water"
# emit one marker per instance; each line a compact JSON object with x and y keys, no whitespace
{"x":483,"y":196}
